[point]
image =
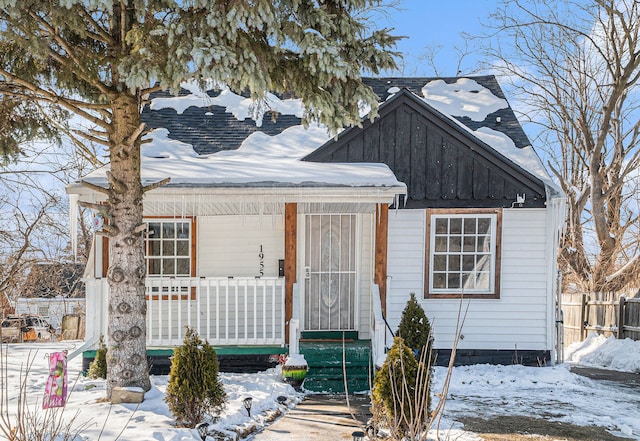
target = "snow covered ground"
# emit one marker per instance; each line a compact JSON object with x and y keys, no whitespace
{"x":551,"y":392}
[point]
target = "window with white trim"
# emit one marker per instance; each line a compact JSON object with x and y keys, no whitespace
{"x":463,"y":253}
{"x":168,"y":247}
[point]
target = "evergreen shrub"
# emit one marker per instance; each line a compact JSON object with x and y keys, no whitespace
{"x":98,"y":367}
{"x":415,"y":328}
{"x":194,"y":390}
{"x":394,"y":389}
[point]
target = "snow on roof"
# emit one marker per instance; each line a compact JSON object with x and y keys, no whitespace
{"x":260,"y":159}
{"x":241,"y":107}
{"x":275,"y":159}
{"x":465,"y":97}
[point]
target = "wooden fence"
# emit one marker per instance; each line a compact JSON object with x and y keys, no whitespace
{"x":606,"y":313}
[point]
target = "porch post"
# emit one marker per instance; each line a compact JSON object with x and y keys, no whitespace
{"x":380,"y":275}
{"x":290,"y":238}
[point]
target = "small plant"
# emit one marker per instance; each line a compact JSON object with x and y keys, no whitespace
{"x":401,"y":395}
{"x":415,"y":328}
{"x":395,"y":393}
{"x":193,"y":390}
{"x":98,"y":367}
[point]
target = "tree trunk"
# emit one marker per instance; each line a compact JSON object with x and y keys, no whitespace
{"x":127,"y":356}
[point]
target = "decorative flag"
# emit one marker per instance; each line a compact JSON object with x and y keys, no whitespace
{"x":55,"y":391}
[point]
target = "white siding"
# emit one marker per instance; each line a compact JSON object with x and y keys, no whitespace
{"x":230,"y":245}
{"x":517,"y":320}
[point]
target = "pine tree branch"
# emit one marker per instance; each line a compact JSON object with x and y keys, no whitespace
{"x":117,"y":185}
{"x":78,"y":64}
{"x":54,"y":98}
{"x":101,"y":34}
{"x":155,"y":185}
{"x":91,"y":205}
{"x":95,"y":187}
{"x":132,"y":138}
{"x":91,"y":138}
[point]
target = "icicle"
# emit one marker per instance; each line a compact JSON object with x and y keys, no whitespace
{"x":73,"y":224}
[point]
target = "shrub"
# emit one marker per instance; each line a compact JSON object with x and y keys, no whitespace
{"x":415,"y":328}
{"x":395,"y":402}
{"x":193,"y":390}
{"x":98,"y":367}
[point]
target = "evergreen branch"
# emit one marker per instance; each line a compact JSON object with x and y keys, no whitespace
{"x":101,"y":34}
{"x":5,"y":88}
{"x":94,"y":187}
{"x":79,"y":69}
{"x":155,"y":185}
{"x":150,"y":90}
{"x":91,"y":138}
{"x":45,"y":95}
{"x":91,"y":205}
{"x":118,"y":186}
{"x":132,"y":139}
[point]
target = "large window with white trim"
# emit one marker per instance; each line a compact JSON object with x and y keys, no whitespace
{"x":463,"y":253}
{"x":168,"y":247}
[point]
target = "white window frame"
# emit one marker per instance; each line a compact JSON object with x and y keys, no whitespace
{"x":495,"y":218}
{"x":149,"y":239}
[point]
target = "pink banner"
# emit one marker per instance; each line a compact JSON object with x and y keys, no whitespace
{"x":55,"y":391}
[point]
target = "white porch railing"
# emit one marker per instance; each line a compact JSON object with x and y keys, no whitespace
{"x":378,"y":328}
{"x":224,"y":311}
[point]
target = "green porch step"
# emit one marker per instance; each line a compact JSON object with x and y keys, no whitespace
{"x":327,"y":365}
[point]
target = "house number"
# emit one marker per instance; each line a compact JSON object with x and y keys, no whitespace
{"x":261,"y":261}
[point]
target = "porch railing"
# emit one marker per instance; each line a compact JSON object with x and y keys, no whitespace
{"x":224,"y":311}
{"x":378,"y":328}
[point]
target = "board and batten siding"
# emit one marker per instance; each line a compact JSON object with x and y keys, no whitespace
{"x":231,"y":245}
{"x":517,"y":320}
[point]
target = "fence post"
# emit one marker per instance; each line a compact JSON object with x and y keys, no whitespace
{"x":583,"y":303}
{"x":621,"y":305}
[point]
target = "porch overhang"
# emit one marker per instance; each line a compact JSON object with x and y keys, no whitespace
{"x":193,"y":200}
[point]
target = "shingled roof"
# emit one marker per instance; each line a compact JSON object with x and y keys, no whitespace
{"x":210,"y":128}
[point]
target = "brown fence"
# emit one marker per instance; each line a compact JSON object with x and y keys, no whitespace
{"x":606,"y":313}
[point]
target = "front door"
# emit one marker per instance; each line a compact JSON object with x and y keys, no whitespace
{"x":330,"y":272}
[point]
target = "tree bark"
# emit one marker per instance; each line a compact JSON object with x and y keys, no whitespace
{"x":127,"y":358}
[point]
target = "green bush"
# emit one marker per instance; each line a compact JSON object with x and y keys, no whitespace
{"x":98,"y":367}
{"x":194,"y":390}
{"x":395,"y":403}
{"x":415,"y":329}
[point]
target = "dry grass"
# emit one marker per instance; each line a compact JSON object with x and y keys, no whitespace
{"x":522,"y":428}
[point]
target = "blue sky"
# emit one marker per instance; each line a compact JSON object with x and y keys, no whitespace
{"x":437,"y":23}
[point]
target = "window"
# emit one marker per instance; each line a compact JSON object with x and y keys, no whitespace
{"x":168,"y":248}
{"x":463,"y":253}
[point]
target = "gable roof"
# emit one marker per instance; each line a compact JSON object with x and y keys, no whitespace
{"x":216,"y":120}
{"x":216,"y":139}
{"x":439,"y":159}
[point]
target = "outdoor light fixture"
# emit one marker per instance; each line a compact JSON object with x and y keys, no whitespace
{"x":247,"y":404}
{"x":203,"y":429}
{"x":282,"y":399}
{"x":358,"y":436}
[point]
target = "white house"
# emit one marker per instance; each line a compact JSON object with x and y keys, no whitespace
{"x":271,"y":237}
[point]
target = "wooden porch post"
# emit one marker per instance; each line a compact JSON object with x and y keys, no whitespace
{"x":380,"y":275}
{"x":290,"y":238}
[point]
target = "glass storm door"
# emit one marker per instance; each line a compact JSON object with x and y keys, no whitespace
{"x":330,"y":272}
